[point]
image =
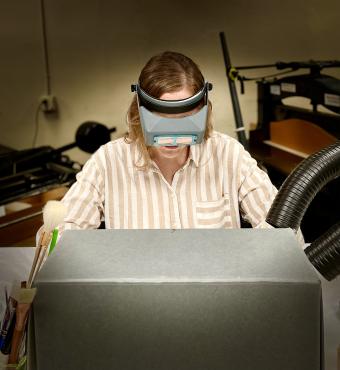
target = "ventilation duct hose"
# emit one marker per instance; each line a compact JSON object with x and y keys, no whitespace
{"x":295,"y":196}
{"x":324,"y":253}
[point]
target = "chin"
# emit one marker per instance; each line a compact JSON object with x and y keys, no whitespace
{"x":171,"y":152}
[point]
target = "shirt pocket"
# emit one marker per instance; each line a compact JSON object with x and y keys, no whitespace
{"x":213,"y":214}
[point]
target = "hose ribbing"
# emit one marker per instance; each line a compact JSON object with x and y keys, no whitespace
{"x":301,"y":186}
{"x":295,"y":196}
{"x":324,"y":253}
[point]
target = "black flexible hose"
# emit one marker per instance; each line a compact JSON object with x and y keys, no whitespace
{"x":295,"y":196}
{"x":301,"y":186}
{"x":324,"y":253}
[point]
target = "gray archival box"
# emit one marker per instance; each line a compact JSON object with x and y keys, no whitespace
{"x":177,"y":300}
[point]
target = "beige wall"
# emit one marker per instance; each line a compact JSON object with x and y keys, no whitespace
{"x":97,"y":48}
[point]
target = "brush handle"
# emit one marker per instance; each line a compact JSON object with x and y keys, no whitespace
{"x":43,"y":241}
{"x":15,"y":346}
{"x":21,"y":318}
{"x":36,"y":256}
{"x":40,"y":260}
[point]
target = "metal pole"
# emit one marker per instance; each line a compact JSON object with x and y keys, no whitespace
{"x":240,"y":130}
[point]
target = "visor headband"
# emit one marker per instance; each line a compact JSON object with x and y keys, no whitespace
{"x":171,"y":106}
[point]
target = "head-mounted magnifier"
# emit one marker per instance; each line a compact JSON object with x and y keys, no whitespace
{"x":167,"y":131}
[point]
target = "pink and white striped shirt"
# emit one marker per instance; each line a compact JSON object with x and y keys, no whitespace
{"x":219,"y":181}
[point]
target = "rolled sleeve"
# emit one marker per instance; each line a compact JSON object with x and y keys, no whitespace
{"x":256,"y":195}
{"x":256,"y":192}
{"x":85,"y":199}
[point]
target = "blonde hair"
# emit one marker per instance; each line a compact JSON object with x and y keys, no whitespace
{"x":163,"y":73}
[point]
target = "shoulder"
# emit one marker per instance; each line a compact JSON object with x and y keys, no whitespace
{"x":218,"y":147}
{"x":114,"y":145}
{"x":110,"y":149}
{"x":227,"y":143}
{"x":115,"y":151}
{"x":231,"y":150}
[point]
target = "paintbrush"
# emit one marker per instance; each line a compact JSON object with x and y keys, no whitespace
{"x":53,"y":214}
{"x":24,"y":297}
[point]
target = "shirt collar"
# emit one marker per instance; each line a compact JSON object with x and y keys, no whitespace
{"x":194,"y":153}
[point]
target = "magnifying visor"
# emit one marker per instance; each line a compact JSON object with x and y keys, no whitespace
{"x":166,"y":131}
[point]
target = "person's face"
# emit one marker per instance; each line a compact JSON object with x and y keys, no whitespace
{"x":168,"y":152}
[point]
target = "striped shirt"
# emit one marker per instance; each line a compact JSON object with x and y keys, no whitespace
{"x":218,"y":182}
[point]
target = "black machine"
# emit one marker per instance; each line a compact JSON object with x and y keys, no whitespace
{"x":321,"y":89}
{"x":31,"y":171}
{"x":319,"y":126}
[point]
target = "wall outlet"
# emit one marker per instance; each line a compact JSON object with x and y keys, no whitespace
{"x":48,"y":103}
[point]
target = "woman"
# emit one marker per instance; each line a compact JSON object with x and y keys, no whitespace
{"x":131,"y":184}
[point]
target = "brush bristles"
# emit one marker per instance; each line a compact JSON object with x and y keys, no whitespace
{"x":53,"y":215}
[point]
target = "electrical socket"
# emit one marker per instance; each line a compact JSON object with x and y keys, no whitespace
{"x":48,"y":103}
